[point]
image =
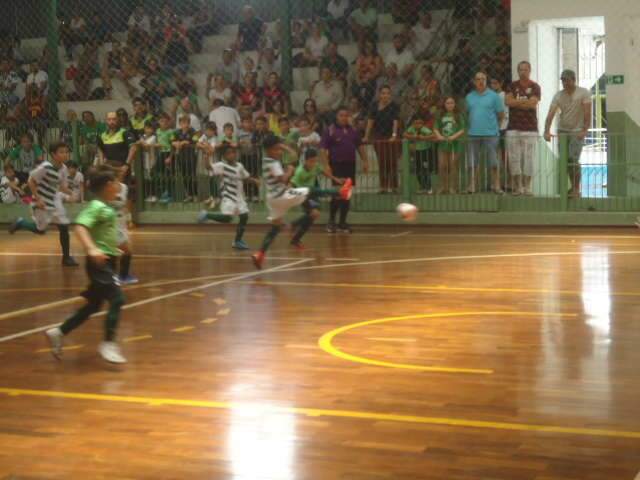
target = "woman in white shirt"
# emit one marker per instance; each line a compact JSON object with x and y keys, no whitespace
{"x":315,"y":46}
{"x":219,"y":89}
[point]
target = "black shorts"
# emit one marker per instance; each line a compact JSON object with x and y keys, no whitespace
{"x":344,"y":170}
{"x":103,"y":282}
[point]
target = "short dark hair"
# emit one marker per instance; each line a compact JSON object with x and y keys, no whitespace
{"x":262,"y":118}
{"x":210,"y":125}
{"x":164,"y":115}
{"x":283,"y":119}
{"x":72,"y":164}
{"x":100,"y":176}
{"x":150,"y":123}
{"x":310,"y":153}
{"x":56,"y":146}
{"x":227,"y":125}
{"x":524,"y":62}
{"x":218,"y":102}
{"x":29,"y":135}
{"x":137,"y":100}
{"x":226,"y":147}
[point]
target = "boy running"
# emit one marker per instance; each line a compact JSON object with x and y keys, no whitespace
{"x":280,"y":197}
{"x":45,"y":183}
{"x":98,"y":233}
{"x":233,"y":203}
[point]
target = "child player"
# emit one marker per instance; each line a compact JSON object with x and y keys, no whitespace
{"x":45,"y":182}
{"x":233,"y":203}
{"x":124,"y":242}
{"x":280,"y":197}
{"x":97,"y":230}
{"x":306,"y":175}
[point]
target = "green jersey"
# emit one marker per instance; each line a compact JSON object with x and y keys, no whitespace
{"x":101,"y":221}
{"x":306,"y":178}
{"x":90,"y":134}
{"x":449,"y":126}
{"x":25,"y":161}
{"x":421,"y":145}
{"x":165,"y":137}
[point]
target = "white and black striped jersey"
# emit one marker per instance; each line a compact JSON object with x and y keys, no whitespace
{"x":7,"y":195}
{"x":49,"y":180}
{"x":75,"y":183}
{"x":120,"y":205}
{"x":271,"y":171}
{"x":233,"y":177}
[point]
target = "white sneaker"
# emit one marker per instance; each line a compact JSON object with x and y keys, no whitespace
{"x":110,"y":351}
{"x":55,"y":337}
{"x":152,"y":199}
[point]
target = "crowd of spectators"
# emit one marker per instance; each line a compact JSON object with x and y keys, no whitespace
{"x":393,"y":91}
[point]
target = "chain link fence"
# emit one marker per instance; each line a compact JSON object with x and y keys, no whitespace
{"x":183,"y":76}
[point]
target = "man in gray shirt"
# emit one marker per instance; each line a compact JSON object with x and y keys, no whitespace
{"x":574,"y":105}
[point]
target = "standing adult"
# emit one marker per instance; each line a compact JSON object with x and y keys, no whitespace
{"x":522,"y":99}
{"x":228,"y":68}
{"x":221,"y":115}
{"x":382,"y":128}
{"x":574,"y":105}
{"x":486,"y":111}
{"x":328,"y":95}
{"x":114,"y":143}
{"x":340,"y":143}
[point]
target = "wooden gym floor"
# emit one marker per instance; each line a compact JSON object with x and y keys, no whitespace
{"x":395,"y":353}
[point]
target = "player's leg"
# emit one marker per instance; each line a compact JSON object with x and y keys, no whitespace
{"x":109,"y":349}
{"x":443,"y":171}
{"x":60,"y":219}
{"x":37,"y":224}
{"x":304,"y":223}
{"x":204,"y":216}
{"x":514,"y":143}
{"x":529,"y":143}
{"x":239,"y":243}
{"x":454,"y":174}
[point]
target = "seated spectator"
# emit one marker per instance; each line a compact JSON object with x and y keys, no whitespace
{"x":299,"y":34}
{"x":99,"y":30}
{"x":420,"y":36}
{"x":220,"y":90}
{"x":369,"y":66}
{"x":461,"y":63}
{"x":10,"y":49}
{"x":221,"y":115}
{"x":111,"y":67}
{"x":268,"y":63}
{"x":162,"y":20}
{"x":314,"y":49}
{"x":87,"y":70}
{"x":402,"y":57}
{"x":355,"y":111}
{"x":310,"y":112}
{"x":177,"y":46}
{"x":37,"y":80}
{"x":248,"y":95}
{"x":26,"y":156}
{"x":428,"y":88}
{"x":9,"y":81}
{"x":186,"y":88}
{"x":185,"y":108}
{"x":364,"y":22}
{"x":335,"y":62}
{"x":249,"y":67}
{"x":328,"y":94}
{"x":156,"y":86}
{"x":66,"y":132}
{"x":404,"y":11}
{"x":277,"y":112}
{"x":228,"y":68}
{"x":394,"y":81}
{"x":502,"y":58}
{"x":273,"y":92}
{"x":250,"y":30}
{"x":338,"y":19}
{"x":74,"y":33}
{"x":139,"y":25}
{"x":11,"y":190}
{"x":202,"y":24}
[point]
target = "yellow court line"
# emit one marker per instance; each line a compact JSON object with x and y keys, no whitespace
{"x":66,"y":349}
{"x":318,"y":412}
{"x":183,"y":329}
{"x":223,"y":312}
{"x":207,"y":321}
{"x":326,"y":341}
{"x":137,"y":339}
{"x":430,"y":288}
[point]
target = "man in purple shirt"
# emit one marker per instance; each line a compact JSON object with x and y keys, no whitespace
{"x":340,"y":143}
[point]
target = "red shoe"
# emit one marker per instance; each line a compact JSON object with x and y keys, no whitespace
{"x":299,"y":246}
{"x":258,"y":259}
{"x":346,"y":190}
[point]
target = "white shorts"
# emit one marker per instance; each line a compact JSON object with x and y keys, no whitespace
{"x":57,"y":216}
{"x":229,"y":207}
{"x":278,"y":207}
{"x":521,"y":150}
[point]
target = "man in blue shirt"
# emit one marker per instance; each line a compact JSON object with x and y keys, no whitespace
{"x":486,"y":110}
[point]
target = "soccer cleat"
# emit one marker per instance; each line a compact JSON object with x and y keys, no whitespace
{"x":128,"y":280}
{"x":13,"y":228}
{"x":345,"y":228}
{"x":69,"y":262}
{"x":202,"y":216}
{"x":55,"y":336}
{"x":258,"y":259}
{"x":240,"y":245}
{"x":298,"y":246}
{"x":331,"y":228}
{"x":346,"y":190}
{"x":110,"y":351}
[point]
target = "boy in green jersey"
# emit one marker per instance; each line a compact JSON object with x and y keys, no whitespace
{"x":421,"y":138}
{"x":163,"y":179}
{"x":97,"y":231}
{"x":306,"y":175}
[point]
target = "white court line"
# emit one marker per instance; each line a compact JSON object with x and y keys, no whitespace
{"x":142,"y":255}
{"x":396,"y":235}
{"x":342,"y":259}
{"x":158,"y":298}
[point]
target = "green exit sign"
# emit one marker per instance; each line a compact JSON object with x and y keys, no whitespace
{"x":615,"y":79}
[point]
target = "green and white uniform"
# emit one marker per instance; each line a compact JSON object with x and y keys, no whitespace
{"x":49,"y":180}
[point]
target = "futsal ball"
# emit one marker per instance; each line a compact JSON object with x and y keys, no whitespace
{"x":407,"y":212}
